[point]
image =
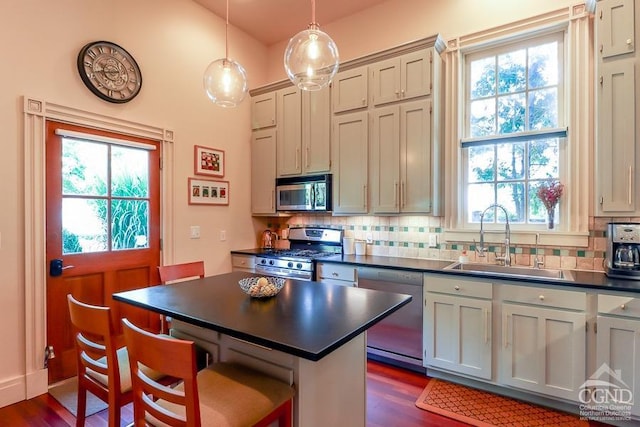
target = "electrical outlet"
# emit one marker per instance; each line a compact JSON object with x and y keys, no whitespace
{"x":369,"y":238}
{"x":195,"y":232}
{"x":223,"y":235}
{"x":433,"y":240}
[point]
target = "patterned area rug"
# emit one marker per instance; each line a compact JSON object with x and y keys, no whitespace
{"x":66,"y":393}
{"x":483,"y":409}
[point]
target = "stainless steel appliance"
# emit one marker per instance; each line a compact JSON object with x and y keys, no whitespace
{"x":623,"y":250}
{"x":306,"y":245}
{"x":397,"y":339}
{"x":305,"y":193}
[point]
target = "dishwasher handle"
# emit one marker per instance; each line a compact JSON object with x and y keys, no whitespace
{"x":390,"y":275}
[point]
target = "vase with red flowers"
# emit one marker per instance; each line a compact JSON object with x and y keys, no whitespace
{"x":549,"y":194}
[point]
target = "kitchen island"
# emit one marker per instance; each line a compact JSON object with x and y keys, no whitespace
{"x":309,"y":335}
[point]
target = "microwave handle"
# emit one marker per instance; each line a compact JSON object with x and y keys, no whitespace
{"x":313,"y":196}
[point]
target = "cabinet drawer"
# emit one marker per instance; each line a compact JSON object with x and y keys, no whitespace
{"x":336,"y":272}
{"x":456,"y":286}
{"x":242,"y":261}
{"x":545,"y":297}
{"x":619,"y":305}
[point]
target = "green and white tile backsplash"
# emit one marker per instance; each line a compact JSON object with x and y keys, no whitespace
{"x":409,"y":236}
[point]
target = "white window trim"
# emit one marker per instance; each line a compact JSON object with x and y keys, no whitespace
{"x":578,"y":27}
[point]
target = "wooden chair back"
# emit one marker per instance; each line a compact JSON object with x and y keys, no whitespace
{"x":168,"y":355}
{"x":188,"y":270}
{"x":98,"y":370}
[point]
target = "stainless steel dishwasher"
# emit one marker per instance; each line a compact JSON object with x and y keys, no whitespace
{"x":397,"y":339}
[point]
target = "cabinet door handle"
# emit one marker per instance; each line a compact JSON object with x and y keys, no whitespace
{"x":505,"y":330}
{"x":297,"y":159}
{"x":306,"y":158}
{"x":623,"y":307}
{"x":630,"y":183}
{"x":403,"y":196}
{"x":273,"y":198}
{"x":487,"y":325}
{"x":629,"y":41}
{"x":364,"y":194}
{"x":395,"y":194}
{"x":541,"y":297}
{"x":456,"y":287}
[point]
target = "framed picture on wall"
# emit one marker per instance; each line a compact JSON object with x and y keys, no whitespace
{"x":208,"y":161}
{"x":208,"y":192}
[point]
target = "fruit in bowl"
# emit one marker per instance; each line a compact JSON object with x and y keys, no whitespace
{"x":261,"y":287}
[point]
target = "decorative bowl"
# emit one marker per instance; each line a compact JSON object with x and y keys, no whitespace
{"x":261,"y":287}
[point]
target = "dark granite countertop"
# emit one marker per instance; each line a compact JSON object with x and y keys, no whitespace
{"x":304,"y":319}
{"x":587,"y":280}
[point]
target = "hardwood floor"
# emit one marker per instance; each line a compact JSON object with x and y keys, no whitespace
{"x":391,"y":396}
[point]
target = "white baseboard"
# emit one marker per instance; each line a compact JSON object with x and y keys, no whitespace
{"x":12,"y":391}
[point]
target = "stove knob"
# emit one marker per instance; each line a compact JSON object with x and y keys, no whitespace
{"x":263,"y":261}
{"x":290,"y":265}
{"x":270,"y":262}
{"x":299,"y":265}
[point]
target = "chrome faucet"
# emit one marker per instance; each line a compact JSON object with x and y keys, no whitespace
{"x":537,"y":262}
{"x":480,"y":249}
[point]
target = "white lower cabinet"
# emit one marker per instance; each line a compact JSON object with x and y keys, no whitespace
{"x":543,"y":346}
{"x":243,"y":263}
{"x":457,"y":326}
{"x":336,"y":274}
{"x":618,"y":347}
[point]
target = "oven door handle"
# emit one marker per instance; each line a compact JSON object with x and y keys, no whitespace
{"x":282,"y":273}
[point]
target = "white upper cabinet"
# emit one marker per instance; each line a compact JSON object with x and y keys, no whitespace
{"x":350,"y":90}
{"x":615,"y":27}
{"x":289,"y":147}
{"x":263,"y":111}
{"x":401,"y":78}
{"x":616,"y":155}
{"x":316,"y":131}
{"x":304,"y":131}
{"x":263,"y":172}
{"x":349,"y":150}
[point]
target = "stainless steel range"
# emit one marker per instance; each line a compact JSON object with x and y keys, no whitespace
{"x":306,"y":245}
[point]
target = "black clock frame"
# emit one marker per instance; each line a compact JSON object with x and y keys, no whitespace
{"x":89,"y":83}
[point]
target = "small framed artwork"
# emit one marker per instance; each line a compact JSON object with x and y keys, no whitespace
{"x":208,"y":192}
{"x":208,"y":161}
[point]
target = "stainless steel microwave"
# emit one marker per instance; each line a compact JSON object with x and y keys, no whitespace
{"x":304,"y":193}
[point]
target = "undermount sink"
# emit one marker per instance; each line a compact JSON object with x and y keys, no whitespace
{"x":511,"y":271}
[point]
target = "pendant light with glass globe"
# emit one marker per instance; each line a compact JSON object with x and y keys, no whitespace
{"x":311,"y":58}
{"x":225,"y":80}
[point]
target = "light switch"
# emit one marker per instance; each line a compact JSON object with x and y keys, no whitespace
{"x":433,"y":240}
{"x":223,"y":235}
{"x":195,"y":231}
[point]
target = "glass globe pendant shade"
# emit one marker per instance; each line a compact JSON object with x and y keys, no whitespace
{"x":311,"y":59}
{"x":225,"y":82}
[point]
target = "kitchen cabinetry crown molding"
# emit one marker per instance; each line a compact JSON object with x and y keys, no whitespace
{"x":435,"y":41}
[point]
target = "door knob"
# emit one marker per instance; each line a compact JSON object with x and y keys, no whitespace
{"x":55,"y":267}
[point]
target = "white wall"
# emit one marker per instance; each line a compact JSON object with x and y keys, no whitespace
{"x":173,"y":41}
{"x":396,"y":22}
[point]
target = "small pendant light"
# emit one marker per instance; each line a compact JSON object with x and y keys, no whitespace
{"x":225,"y":80}
{"x":311,"y":58}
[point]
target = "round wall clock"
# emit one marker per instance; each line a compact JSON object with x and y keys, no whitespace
{"x":109,"y":71}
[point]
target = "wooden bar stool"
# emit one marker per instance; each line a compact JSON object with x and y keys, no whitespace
{"x":224,"y":394}
{"x":103,"y":369}
{"x":178,"y":272}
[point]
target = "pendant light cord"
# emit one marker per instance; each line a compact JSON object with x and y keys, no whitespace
{"x":313,"y":13}
{"x":226,"y":35}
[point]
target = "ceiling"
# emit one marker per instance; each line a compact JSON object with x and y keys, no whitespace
{"x":271,"y":21}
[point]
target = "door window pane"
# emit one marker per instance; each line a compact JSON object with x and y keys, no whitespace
{"x":84,"y":168}
{"x":130,"y":224}
{"x":84,"y":225}
{"x":129,"y":172}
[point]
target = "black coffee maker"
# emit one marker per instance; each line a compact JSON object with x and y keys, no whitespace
{"x":623,"y":251}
